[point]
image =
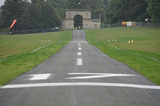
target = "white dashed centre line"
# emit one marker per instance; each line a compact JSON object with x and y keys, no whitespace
{"x":79,"y":48}
{"x":79,"y":61}
{"x":79,"y":53}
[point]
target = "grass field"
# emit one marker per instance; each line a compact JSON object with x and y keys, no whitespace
{"x":143,"y":54}
{"x":20,"y":53}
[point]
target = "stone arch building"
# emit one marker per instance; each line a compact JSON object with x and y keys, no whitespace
{"x":84,"y":20}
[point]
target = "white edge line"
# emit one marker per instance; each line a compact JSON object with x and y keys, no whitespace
{"x":136,"y":53}
{"x":21,"y":54}
{"x":11,"y":57}
{"x":37,"y":49}
{"x":89,"y":73}
{"x":95,"y":84}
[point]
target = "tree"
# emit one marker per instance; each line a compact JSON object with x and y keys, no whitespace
{"x":117,"y":11}
{"x":106,"y":3}
{"x":12,"y":9}
{"x":59,"y":7}
{"x":126,"y":10}
{"x":49,"y":17}
{"x":40,"y":15}
{"x":154,"y":10}
{"x":32,"y":18}
{"x":74,"y":4}
{"x":137,"y":10}
{"x":37,"y":1}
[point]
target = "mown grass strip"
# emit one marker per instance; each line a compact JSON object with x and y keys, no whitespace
{"x":145,"y":60}
{"x":25,"y":60}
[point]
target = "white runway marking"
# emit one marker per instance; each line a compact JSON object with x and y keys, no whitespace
{"x":83,"y":42}
{"x":79,"y":48}
{"x":135,"y":53}
{"x":79,"y":44}
{"x":73,"y":41}
{"x":79,"y":61}
{"x":79,"y":53}
{"x":39,"y":76}
{"x":37,"y":49}
{"x":68,"y":84}
{"x":98,"y":75}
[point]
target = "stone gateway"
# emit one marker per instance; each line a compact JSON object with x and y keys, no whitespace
{"x":80,"y":19}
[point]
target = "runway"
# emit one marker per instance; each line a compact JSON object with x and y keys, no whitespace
{"x":80,"y":75}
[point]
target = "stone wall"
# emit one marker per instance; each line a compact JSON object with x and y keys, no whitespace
{"x":70,"y":14}
{"x":88,"y":23}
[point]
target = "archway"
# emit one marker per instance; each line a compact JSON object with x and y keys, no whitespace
{"x":78,"y":21}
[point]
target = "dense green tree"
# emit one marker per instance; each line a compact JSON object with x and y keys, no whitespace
{"x":106,"y":3}
{"x":40,"y":16}
{"x":12,"y":9}
{"x":76,"y":4}
{"x":59,"y":7}
{"x":37,"y":1}
{"x":126,"y":10}
{"x":49,"y":17}
{"x":97,"y":8}
{"x":136,"y":10}
{"x":154,"y":10}
{"x":117,"y":11}
{"x":32,"y":18}
{"x":34,"y":1}
{"x":34,"y":15}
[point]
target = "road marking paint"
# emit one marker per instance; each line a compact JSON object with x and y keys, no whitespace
{"x":11,"y":57}
{"x":70,"y":84}
{"x":135,"y":53}
{"x":79,"y":44}
{"x":79,"y":61}
{"x":79,"y":53}
{"x":83,"y":42}
{"x":98,"y":75}
{"x":86,"y":73}
{"x":39,"y":76}
{"x":79,"y":48}
{"x":73,"y":41}
{"x":37,"y":49}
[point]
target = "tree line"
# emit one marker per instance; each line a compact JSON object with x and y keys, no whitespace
{"x":39,"y":14}
{"x":133,"y":10}
{"x":35,"y":15}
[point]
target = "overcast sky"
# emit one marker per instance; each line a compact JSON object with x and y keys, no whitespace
{"x":1,"y":2}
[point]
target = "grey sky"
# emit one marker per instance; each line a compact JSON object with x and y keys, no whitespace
{"x":1,"y":2}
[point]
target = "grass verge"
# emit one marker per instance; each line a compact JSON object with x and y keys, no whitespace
{"x":23,"y":52}
{"x":143,"y":54}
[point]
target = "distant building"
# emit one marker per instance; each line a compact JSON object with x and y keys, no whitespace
{"x":80,"y":18}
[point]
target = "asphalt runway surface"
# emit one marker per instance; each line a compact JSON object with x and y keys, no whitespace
{"x":80,"y":75}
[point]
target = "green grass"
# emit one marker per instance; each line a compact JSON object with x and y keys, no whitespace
{"x":16,"y":56}
{"x":143,"y":55}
